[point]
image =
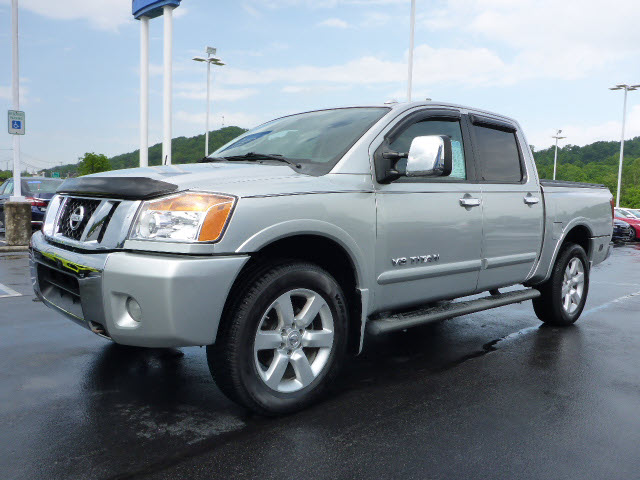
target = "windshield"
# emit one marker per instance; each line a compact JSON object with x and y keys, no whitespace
{"x":313,"y":139}
{"x":42,"y":185}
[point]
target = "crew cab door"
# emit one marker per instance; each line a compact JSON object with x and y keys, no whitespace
{"x":512,"y":206}
{"x":428,"y":243}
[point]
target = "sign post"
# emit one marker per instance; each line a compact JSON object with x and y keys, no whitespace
{"x":17,"y":211}
{"x":16,"y":121}
{"x":144,"y":10}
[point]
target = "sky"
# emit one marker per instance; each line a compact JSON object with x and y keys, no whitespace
{"x":548,"y":64}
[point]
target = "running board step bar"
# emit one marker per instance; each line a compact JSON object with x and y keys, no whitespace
{"x":400,"y":321}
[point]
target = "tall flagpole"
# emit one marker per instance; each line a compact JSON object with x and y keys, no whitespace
{"x":412,"y":29}
{"x":144,"y":91}
{"x":168,"y":80}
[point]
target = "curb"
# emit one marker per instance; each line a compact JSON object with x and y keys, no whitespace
{"x":17,"y":248}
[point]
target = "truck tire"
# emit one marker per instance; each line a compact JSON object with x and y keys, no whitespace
{"x":282,"y":341}
{"x":565,"y":293}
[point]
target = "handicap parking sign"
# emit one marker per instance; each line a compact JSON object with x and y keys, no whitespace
{"x":16,"y":122}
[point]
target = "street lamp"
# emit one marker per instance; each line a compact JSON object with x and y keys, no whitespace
{"x":626,"y":88}
{"x":555,"y":158}
{"x":209,"y":60}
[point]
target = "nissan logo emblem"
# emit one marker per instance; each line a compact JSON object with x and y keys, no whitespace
{"x":75,"y":219}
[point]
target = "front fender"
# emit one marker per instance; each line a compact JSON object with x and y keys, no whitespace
{"x":291,"y":228}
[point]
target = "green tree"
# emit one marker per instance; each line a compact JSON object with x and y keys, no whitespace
{"x":93,"y":163}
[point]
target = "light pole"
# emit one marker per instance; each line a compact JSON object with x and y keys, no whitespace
{"x":411,"y":36}
{"x":209,"y":61}
{"x":555,"y":158}
{"x":626,"y":88}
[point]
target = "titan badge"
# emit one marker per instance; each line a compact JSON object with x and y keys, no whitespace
{"x":398,"y":262}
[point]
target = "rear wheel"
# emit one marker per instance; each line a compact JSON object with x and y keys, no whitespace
{"x":632,"y":234}
{"x":281,"y":345}
{"x":565,"y":293}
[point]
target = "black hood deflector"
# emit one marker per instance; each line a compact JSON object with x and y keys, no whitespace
{"x":125,"y":188}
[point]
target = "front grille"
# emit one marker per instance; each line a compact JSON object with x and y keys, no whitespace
{"x":106,"y":221}
{"x":73,"y":227}
{"x":61,"y":289}
{"x":65,"y":283}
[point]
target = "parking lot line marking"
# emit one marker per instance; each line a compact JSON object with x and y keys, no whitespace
{"x":10,"y":292}
{"x":616,"y":300}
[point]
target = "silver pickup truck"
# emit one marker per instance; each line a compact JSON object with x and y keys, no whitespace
{"x":284,"y":247}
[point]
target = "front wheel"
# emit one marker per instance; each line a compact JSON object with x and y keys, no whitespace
{"x":281,"y":345}
{"x":565,"y":293}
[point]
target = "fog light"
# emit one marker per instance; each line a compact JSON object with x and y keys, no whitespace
{"x":133,"y":307}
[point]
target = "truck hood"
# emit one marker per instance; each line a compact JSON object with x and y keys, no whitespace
{"x":237,"y":178}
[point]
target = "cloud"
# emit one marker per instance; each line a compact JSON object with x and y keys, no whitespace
{"x":474,"y":66}
{"x":584,"y":134}
{"x":239,"y":119}
{"x":251,"y":10}
{"x":6,"y":93}
{"x":321,"y":4}
{"x":198,"y":91}
{"x":375,"y":19}
{"x":157,"y":69}
{"x":181,"y":12}
{"x":101,"y":14}
{"x":333,"y":23}
{"x":546,"y":38}
{"x":296,"y":89}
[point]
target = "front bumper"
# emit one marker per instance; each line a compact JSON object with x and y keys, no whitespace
{"x":181,"y":297}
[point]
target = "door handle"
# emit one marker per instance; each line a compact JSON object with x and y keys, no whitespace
{"x":531,"y":200}
{"x":470,"y":202}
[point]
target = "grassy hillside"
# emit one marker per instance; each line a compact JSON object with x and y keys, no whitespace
{"x":597,"y":163}
{"x":184,"y":150}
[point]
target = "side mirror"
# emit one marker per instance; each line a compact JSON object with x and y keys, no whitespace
{"x":430,"y":156}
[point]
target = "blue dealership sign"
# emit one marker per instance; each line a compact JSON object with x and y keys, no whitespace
{"x":151,"y":8}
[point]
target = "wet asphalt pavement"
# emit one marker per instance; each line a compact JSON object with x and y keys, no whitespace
{"x":489,"y":395}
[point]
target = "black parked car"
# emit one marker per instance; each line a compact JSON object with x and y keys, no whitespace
{"x":622,"y":231}
{"x":37,"y":190}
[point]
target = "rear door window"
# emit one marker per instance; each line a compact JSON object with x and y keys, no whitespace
{"x":498,"y":155}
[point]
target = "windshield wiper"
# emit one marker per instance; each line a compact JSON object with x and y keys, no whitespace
{"x":264,"y":156}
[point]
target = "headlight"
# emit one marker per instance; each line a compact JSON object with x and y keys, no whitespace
{"x":186,"y":217}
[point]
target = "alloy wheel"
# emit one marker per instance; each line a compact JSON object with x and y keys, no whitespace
{"x":573,"y":285}
{"x":294,"y":340}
